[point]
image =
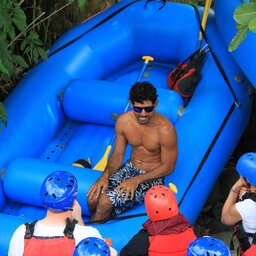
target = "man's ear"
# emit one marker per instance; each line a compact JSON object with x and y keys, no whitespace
{"x":130,"y":103}
{"x":156,"y":103}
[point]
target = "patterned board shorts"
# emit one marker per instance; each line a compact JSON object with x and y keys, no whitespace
{"x":127,"y":171}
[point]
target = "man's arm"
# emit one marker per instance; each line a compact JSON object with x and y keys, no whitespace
{"x":114,"y":161}
{"x":230,"y":215}
{"x":117,"y":156}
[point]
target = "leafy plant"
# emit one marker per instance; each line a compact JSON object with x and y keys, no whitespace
{"x":20,"y":43}
{"x":245,"y":17}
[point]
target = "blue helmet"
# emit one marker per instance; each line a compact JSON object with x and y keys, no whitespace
{"x":209,"y":246}
{"x":246,"y":167}
{"x":59,"y":191}
{"x":92,"y":246}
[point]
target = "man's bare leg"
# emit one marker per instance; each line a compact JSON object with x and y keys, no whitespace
{"x":103,"y":209}
{"x":92,"y":205}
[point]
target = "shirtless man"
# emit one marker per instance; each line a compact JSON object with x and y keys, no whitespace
{"x":154,"y":153}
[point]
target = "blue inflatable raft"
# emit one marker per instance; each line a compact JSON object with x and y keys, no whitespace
{"x":64,"y":109}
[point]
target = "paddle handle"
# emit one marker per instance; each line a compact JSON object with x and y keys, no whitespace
{"x":146,"y":59}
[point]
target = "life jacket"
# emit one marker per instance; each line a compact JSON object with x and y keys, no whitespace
{"x":242,"y":237}
{"x":171,"y":244}
{"x":49,"y":246}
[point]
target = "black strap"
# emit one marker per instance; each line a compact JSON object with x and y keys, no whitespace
{"x":30,"y":227}
{"x":216,"y":59}
{"x":249,"y":195}
{"x":95,"y":26}
{"x":69,"y":229}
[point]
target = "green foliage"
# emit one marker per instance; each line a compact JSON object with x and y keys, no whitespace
{"x":20,"y":44}
{"x":245,"y":17}
{"x":3,"y":115}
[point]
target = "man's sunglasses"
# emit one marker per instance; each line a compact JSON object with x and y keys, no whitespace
{"x":139,"y":109}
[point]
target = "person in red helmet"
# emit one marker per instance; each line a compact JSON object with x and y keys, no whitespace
{"x":166,"y":233}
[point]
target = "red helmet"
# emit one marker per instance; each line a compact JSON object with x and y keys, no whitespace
{"x":160,"y":203}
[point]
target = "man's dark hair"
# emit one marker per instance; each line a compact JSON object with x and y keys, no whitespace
{"x":143,"y":91}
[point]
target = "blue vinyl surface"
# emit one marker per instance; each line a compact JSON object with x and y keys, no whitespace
{"x":74,"y":96}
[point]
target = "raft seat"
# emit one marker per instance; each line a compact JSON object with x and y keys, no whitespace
{"x":79,"y":102}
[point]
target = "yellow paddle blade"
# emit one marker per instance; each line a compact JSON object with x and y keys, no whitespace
{"x":101,"y":165}
{"x":173,"y":188}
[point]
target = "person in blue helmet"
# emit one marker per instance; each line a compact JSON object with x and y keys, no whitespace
{"x":208,"y":246}
{"x":92,"y":246}
{"x":61,"y":229}
{"x":239,"y":209}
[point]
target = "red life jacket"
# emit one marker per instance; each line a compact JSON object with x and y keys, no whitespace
{"x":251,"y":251}
{"x":49,"y":246}
{"x":171,"y":244}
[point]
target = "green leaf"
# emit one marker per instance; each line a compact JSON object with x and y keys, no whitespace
{"x":252,"y":25}
{"x":20,"y":25}
{"x":42,"y":53}
{"x":35,"y":55}
{"x":11,"y":32}
{"x":19,"y":60}
{"x":244,"y":13}
{"x":81,"y":4}
{"x":23,"y":45}
{"x":3,"y":68}
{"x":3,"y":113}
{"x":238,"y":38}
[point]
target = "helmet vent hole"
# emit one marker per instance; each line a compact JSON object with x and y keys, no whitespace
{"x":86,"y":241}
{"x":68,"y":186}
{"x":207,"y":254}
{"x":96,"y":245}
{"x":54,"y":196}
{"x":71,"y":181}
{"x":155,"y":196}
{"x":105,"y":251}
{"x":46,"y":194}
{"x":157,"y":212}
{"x":163,"y":194}
{"x":59,"y":180}
{"x":170,"y":209}
{"x":252,"y":158}
{"x":50,"y":179}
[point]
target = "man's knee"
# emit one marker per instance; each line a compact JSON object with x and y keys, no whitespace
{"x":92,"y":202}
{"x":104,"y":203}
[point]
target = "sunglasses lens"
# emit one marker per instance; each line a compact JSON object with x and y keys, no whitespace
{"x":137,"y":109}
{"x":149,"y":109}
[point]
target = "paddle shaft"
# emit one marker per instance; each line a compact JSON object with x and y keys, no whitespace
{"x":204,"y":20}
{"x":101,"y":165}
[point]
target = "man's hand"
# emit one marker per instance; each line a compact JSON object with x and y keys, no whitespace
{"x":128,"y":186}
{"x":98,"y":187}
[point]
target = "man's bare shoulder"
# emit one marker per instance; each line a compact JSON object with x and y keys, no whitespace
{"x":163,"y":121}
{"x":124,"y":117}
